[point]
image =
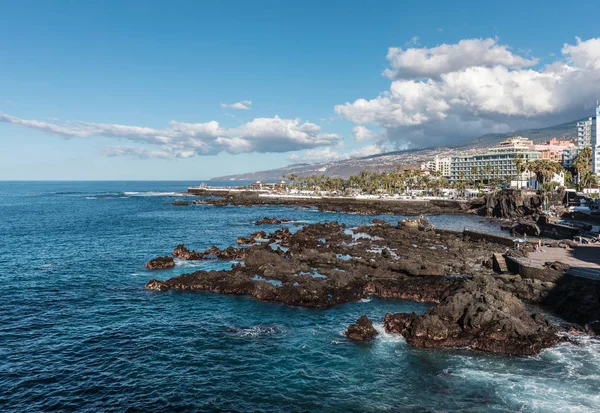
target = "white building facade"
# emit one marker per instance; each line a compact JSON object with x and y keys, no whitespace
{"x":584,"y":132}
{"x":595,"y":142}
{"x":498,"y":163}
{"x":438,"y":164}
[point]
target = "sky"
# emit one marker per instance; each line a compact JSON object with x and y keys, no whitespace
{"x":189,"y":90}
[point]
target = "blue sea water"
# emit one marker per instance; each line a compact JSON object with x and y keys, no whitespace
{"x":78,"y":331}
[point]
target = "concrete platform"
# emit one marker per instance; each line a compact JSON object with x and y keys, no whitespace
{"x":584,"y":259}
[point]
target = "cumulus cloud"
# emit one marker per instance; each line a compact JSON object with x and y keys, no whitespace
{"x":477,"y":86}
{"x":433,"y":62}
{"x":362,"y":133}
{"x":183,"y":140}
{"x":243,"y":105}
{"x":330,"y":154}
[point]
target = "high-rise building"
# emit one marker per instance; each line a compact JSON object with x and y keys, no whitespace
{"x":438,"y":164}
{"x":498,"y":163}
{"x":595,"y":142}
{"x":584,"y":133}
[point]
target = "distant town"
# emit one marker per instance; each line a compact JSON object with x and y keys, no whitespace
{"x":571,"y":164}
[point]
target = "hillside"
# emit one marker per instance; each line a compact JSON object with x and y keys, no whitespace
{"x":408,"y":158}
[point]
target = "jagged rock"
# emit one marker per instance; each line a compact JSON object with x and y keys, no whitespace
{"x":526,"y":227}
{"x":157,"y":285}
{"x":380,"y":222}
{"x":362,"y":330}
{"x":510,"y":203}
{"x":478,"y":315}
{"x":527,"y":289}
{"x":183,"y":253}
{"x":181,"y":203}
{"x":270,"y":221}
{"x":557,"y":265}
{"x":414,"y":223}
{"x":257,"y":236}
{"x":160,"y":263}
{"x":213,"y":252}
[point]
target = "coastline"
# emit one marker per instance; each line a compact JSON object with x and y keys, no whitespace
{"x":335,"y":204}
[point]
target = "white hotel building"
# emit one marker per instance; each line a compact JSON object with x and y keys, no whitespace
{"x":497,"y":163}
{"x":595,"y":141}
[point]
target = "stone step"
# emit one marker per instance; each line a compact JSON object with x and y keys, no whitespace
{"x":500,"y":263}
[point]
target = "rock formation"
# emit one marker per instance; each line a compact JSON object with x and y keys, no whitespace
{"x":509,"y":203}
{"x":183,"y":253}
{"x":362,"y":330}
{"x":270,"y":221}
{"x":213,"y":252}
{"x":253,"y":238}
{"x":160,"y":263}
{"x":478,"y":315}
{"x":326,"y":264}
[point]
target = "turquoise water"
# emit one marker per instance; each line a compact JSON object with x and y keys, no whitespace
{"x":80,"y":333}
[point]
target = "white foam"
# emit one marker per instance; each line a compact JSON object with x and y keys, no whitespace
{"x":567,"y":380}
{"x":204,"y":264}
{"x":153,"y":193}
{"x":386,"y":337}
{"x":257,"y":330}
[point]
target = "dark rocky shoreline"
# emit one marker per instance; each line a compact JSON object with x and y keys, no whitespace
{"x":324,"y":265}
{"x":340,"y":205}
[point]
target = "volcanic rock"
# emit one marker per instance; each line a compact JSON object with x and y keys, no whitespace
{"x":253,"y":238}
{"x":160,"y":263}
{"x":479,"y":315}
{"x":362,"y":330}
{"x":510,"y":203}
{"x":270,"y":221}
{"x":183,"y":253}
{"x":526,"y":227}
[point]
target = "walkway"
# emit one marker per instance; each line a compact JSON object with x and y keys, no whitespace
{"x":584,"y":259}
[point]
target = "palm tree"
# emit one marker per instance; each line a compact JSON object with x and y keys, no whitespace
{"x":474,"y":172}
{"x":520,"y":167}
{"x":587,"y":179}
{"x":583,"y":162}
{"x":544,"y":170}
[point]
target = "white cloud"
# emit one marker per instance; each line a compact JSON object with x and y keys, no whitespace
{"x":182,"y":140}
{"x":329,"y":154}
{"x":362,"y":133}
{"x":423,"y":62}
{"x":584,"y":54}
{"x":242,"y":105}
{"x":415,"y":41}
{"x":475,"y":87}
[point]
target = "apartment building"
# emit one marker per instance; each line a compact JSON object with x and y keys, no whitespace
{"x":595,"y":141}
{"x":438,"y":164}
{"x":497,"y":163}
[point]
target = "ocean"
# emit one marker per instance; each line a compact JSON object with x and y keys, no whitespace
{"x":79,"y":332}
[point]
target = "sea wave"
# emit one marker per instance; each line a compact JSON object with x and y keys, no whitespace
{"x":153,"y":193}
{"x":256,"y":331}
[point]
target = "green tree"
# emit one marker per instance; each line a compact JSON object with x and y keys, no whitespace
{"x":544,"y":170}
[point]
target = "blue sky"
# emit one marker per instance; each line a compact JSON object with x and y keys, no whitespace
{"x":68,"y":69}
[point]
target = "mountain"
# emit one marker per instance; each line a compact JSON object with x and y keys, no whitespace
{"x":408,"y":158}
